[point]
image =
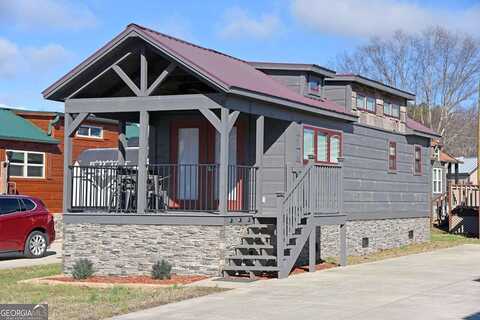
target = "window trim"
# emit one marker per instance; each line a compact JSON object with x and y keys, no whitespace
{"x":391,"y":108}
{"x":415,"y":172}
{"x":77,"y":134}
{"x":440,"y":180}
{"x":329,"y":133}
{"x":26,"y":164}
{"x":365,"y":100}
{"x":395,"y":167}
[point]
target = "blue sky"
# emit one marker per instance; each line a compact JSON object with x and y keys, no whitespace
{"x":40,"y":40}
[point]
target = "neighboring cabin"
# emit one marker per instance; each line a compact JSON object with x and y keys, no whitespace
{"x":467,"y":170}
{"x":32,"y":143}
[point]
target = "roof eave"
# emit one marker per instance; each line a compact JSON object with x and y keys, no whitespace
{"x":53,"y":141}
{"x":293,"y":104}
{"x":374,"y":84}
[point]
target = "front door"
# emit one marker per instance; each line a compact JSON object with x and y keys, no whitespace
{"x":188,"y":160}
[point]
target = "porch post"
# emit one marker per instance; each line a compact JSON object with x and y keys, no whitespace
{"x":343,"y":244}
{"x":122,"y":142}
{"x":142,"y":162}
{"x":259,"y":147}
{"x":456,"y":173}
{"x":223,"y":176}
{"x":312,"y":249}
{"x":67,"y":161}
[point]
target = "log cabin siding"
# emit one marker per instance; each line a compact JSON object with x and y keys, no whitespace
{"x":50,"y":188}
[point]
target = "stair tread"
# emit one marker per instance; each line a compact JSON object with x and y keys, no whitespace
{"x":250,"y":268}
{"x":253,"y":246}
{"x":252,"y":257}
{"x":257,"y":236}
{"x":259,"y":225}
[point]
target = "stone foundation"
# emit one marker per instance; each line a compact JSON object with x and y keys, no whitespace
{"x":382,"y":234}
{"x":58,"y":225}
{"x":133,"y":249}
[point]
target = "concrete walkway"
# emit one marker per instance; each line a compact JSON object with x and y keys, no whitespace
{"x":435,"y":285}
{"x":15,"y":260}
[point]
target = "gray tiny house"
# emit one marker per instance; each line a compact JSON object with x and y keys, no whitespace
{"x":243,"y":167}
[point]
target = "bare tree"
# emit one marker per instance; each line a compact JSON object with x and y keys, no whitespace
{"x":441,"y":67}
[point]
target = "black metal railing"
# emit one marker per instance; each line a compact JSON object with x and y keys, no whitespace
{"x":170,"y":187}
{"x":106,"y":188}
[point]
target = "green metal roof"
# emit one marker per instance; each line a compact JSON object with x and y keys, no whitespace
{"x":14,"y":127}
{"x":133,"y":131}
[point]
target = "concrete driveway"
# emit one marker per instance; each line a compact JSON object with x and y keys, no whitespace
{"x":443,"y":284}
{"x":15,"y":260}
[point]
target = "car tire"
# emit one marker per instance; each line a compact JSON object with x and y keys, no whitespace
{"x":36,"y":245}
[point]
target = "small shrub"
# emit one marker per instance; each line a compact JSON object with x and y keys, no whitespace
{"x":82,"y":269}
{"x":161,"y":270}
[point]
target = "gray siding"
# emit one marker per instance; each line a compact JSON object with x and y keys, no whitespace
{"x":337,"y":93}
{"x":370,"y":190}
{"x":294,"y":80}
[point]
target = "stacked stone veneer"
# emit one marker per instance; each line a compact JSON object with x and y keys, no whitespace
{"x":133,"y":249}
{"x":382,"y":234}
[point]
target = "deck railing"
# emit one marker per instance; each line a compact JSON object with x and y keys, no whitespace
{"x":464,"y":196}
{"x":170,"y":187}
{"x":316,"y":190}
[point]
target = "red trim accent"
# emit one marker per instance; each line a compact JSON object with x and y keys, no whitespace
{"x":394,"y":145}
{"x":419,"y":148}
{"x":329,"y":133}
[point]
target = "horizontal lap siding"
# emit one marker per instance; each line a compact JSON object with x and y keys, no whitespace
{"x":371,"y":191}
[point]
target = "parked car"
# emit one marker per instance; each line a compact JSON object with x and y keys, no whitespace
{"x":25,"y":226}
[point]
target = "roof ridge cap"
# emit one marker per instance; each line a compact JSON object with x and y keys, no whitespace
{"x":185,"y":42}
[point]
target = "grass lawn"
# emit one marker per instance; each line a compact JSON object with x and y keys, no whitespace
{"x":71,"y":302}
{"x":439,"y":240}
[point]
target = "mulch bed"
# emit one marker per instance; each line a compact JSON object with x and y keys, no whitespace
{"x":176,"y":279}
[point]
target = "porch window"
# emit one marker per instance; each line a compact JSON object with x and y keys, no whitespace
{"x":26,"y":164}
{"x":437,"y":180}
{"x":324,"y":145}
{"x":418,"y":160}
{"x":392,"y":156}
{"x":90,"y":132}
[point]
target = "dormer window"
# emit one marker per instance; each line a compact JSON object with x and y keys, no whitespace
{"x":391,"y":109}
{"x":365,"y":103}
{"x":314,"y":86}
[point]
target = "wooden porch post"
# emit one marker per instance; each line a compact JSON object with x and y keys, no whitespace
{"x":67,"y":161}
{"x":259,"y":147}
{"x":223,"y":176}
{"x":122,"y":142}
{"x":142,"y":162}
{"x":312,"y":249}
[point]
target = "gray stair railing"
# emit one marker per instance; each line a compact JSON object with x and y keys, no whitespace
{"x":317,"y":190}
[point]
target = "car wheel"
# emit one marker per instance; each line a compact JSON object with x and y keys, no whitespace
{"x":36,"y":245}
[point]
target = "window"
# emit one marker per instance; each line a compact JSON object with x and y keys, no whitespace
{"x":410,"y":234}
{"x":391,"y":109}
{"x":9,"y":205}
{"x":371,"y":104}
{"x":314,"y":85}
{"x":392,"y":156}
{"x":90,"y":132}
{"x":418,"y":160}
{"x":26,"y":164}
{"x":360,"y":102}
{"x":437,"y":180}
{"x":27,"y":204}
{"x":323,"y":145}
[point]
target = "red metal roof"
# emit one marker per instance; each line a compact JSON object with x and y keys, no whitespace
{"x":230,"y":71}
{"x":417,"y":126}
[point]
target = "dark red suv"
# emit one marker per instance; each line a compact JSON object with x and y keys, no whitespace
{"x":25,"y":226}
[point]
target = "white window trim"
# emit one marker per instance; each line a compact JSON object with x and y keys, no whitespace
{"x":90,"y":136}
{"x":26,"y":164}
{"x":439,"y":180}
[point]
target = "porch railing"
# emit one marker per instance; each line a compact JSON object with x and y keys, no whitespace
{"x":316,"y":190}
{"x":105,"y":188}
{"x":170,"y":187}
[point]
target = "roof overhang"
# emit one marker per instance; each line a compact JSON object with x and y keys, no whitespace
{"x":313,"y":68}
{"x":373,"y":84}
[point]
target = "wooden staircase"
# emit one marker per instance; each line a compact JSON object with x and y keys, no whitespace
{"x":273,"y":245}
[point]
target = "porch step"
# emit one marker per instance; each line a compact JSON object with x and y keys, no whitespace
{"x":251,"y":268}
{"x":252,"y":257}
{"x":257,"y":236}
{"x":253,"y":246}
{"x":261,"y":226}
